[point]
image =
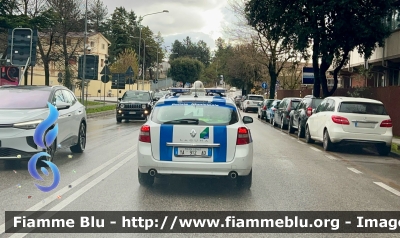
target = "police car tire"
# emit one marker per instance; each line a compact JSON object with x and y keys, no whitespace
{"x":145,"y":179}
{"x":245,"y":182}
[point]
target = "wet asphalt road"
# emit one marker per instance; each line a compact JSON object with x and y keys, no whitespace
{"x":288,"y":175}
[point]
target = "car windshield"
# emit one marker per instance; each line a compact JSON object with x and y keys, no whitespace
{"x":295,"y":103}
{"x":315,"y":102}
{"x":197,"y":114}
{"x":362,"y":108}
{"x":269,"y":103}
{"x":136,"y":96}
{"x":23,"y":98}
{"x":255,"y":98}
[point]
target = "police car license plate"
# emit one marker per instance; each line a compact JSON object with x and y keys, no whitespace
{"x":183,"y":151}
{"x":132,"y":112}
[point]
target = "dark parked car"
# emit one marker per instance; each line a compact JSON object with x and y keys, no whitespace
{"x":300,"y":115}
{"x":262,"y":108}
{"x":281,"y":115}
{"x":135,"y":105}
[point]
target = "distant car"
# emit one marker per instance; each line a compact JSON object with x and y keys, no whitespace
{"x":237,"y":100}
{"x":134,"y":105}
{"x":198,"y":135}
{"x":23,"y":108}
{"x":281,"y":115}
{"x":262,"y":108}
{"x":271,"y":110}
{"x":348,"y":120}
{"x":299,"y":116}
{"x":251,"y":102}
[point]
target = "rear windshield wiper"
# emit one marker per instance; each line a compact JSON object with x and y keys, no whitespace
{"x":183,"y":121}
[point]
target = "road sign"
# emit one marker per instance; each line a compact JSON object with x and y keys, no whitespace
{"x":91,"y":69}
{"x":9,"y":75}
{"x":106,"y":70}
{"x":264,"y":85}
{"x":105,"y":78}
{"x":21,"y":46}
{"x":308,"y":75}
{"x":118,"y":81}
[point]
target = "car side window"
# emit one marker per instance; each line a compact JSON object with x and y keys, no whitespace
{"x":58,"y":97}
{"x":301,"y":105}
{"x":69,"y":97}
{"x":322,"y":106}
{"x":282,"y":104}
{"x":331,"y":107}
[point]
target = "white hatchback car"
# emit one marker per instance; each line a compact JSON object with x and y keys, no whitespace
{"x":195,"y":134}
{"x":349,"y":120}
{"x":23,"y":108}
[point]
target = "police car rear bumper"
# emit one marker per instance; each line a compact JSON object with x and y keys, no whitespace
{"x":241,"y":164}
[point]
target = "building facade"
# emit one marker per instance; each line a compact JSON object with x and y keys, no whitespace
{"x":96,"y":44}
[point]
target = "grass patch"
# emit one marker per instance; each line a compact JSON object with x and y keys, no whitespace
{"x":395,"y":148}
{"x":100,"y":109}
{"x":90,"y":103}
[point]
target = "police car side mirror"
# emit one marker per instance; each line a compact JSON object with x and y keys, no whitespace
{"x":247,"y":120}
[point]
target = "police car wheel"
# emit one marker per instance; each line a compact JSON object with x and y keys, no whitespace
{"x":145,"y":179}
{"x":245,"y":182}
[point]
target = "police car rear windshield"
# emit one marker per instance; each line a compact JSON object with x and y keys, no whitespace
{"x":136,"y":96}
{"x":195,"y":114}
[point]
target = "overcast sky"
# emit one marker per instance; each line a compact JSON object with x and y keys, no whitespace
{"x":198,"y":19}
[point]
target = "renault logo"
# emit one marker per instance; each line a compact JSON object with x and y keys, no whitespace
{"x":193,"y":133}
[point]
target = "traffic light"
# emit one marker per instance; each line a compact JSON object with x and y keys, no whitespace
{"x":118,"y":81}
{"x":91,"y":67}
{"x":21,"y":46}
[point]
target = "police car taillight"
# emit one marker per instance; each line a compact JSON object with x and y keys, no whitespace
{"x":243,"y":136}
{"x":144,"y":135}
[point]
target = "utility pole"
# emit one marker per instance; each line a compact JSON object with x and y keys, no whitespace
{"x":84,"y":54}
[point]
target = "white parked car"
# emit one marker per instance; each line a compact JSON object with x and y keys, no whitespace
{"x":349,"y":120}
{"x":23,"y":108}
{"x":251,"y":102}
{"x":197,"y":135}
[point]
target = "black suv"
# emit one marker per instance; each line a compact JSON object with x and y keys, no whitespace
{"x":300,"y":115}
{"x":135,"y":105}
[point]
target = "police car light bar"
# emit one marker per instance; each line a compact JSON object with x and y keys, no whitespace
{"x":215,"y":90}
{"x":175,"y":91}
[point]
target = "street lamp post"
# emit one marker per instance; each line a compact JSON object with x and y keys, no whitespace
{"x":84,"y":55}
{"x":140,"y":37}
{"x":144,"y":60}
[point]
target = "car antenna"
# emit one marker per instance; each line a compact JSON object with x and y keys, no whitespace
{"x":195,"y":91}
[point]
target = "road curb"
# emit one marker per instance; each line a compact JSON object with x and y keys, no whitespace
{"x":107,"y":101}
{"x":101,"y":114}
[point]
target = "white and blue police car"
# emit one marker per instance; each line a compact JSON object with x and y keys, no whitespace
{"x":195,"y":131}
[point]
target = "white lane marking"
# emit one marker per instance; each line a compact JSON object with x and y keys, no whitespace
{"x":313,"y":148}
{"x":66,"y":189}
{"x":390,"y":189}
{"x":301,"y":142}
{"x":80,"y":192}
{"x":355,"y":170}
{"x":330,"y":157}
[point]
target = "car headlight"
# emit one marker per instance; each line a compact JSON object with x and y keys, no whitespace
{"x":143,"y":106}
{"x":121,"y":105}
{"x":28,"y":125}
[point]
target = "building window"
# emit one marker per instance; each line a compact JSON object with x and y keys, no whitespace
{"x":102,"y":62}
{"x":103,"y":46}
{"x":92,"y":44}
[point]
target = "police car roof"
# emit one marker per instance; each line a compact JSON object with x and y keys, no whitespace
{"x":200,"y":98}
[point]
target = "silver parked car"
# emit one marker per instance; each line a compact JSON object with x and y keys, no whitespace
{"x":23,"y":108}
